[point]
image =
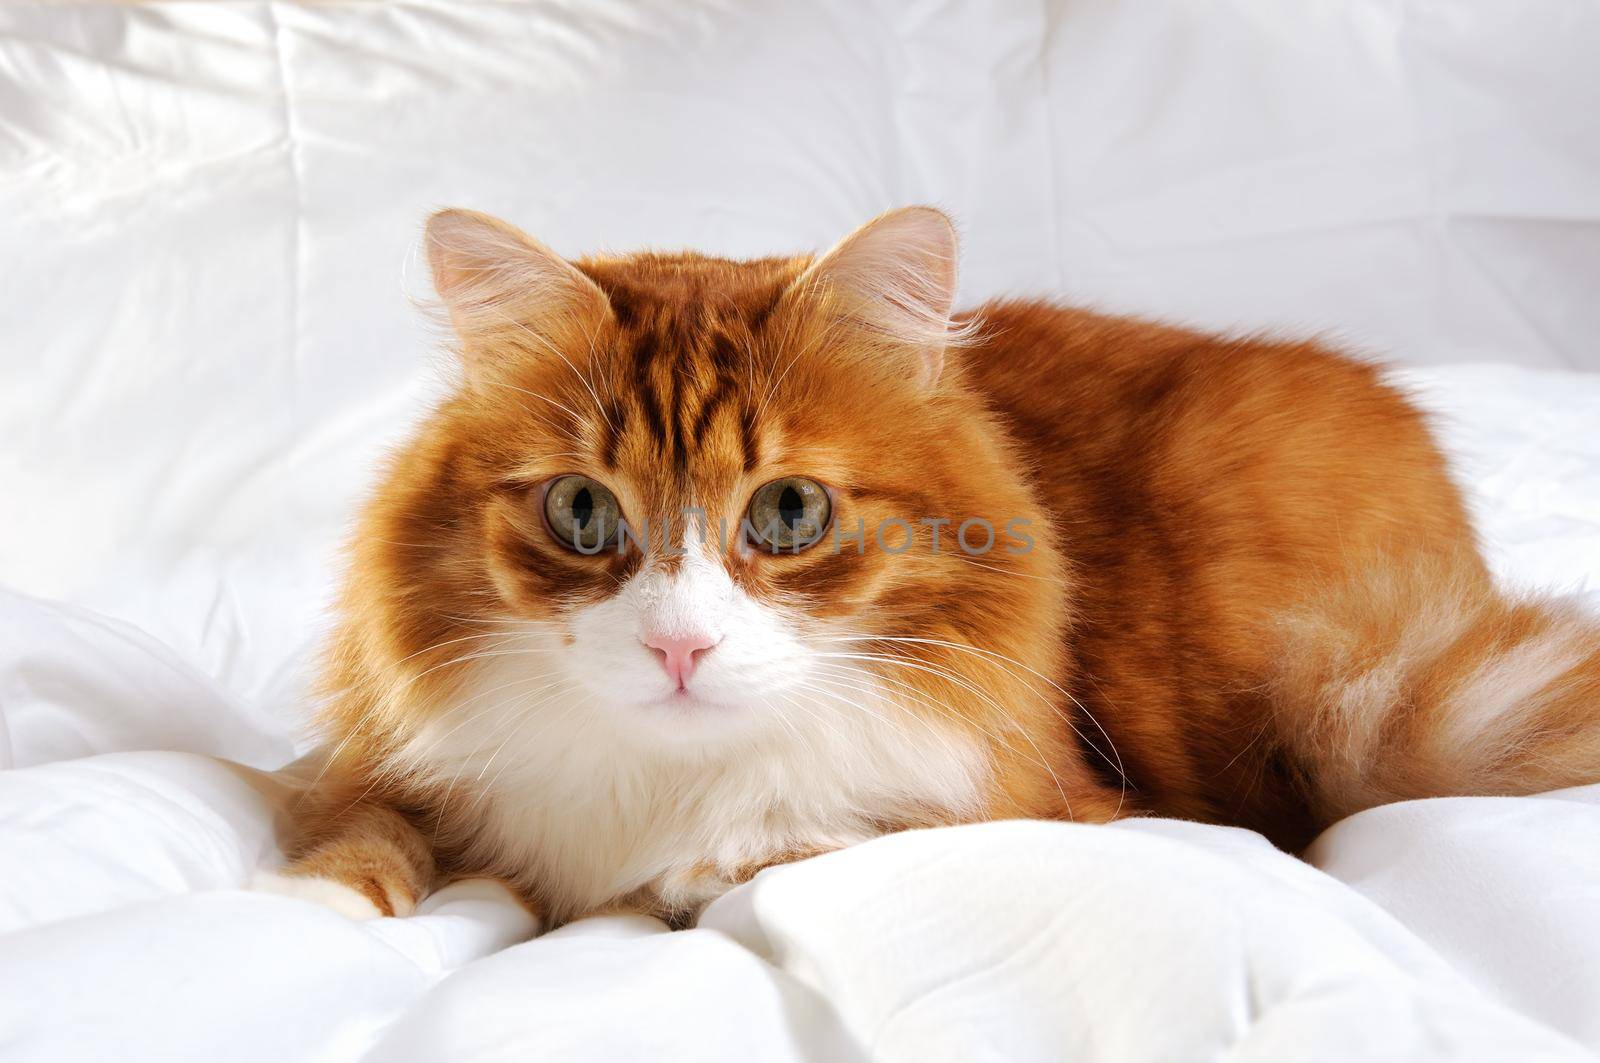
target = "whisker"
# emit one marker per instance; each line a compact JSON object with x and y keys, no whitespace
{"x":1003,"y":571}
{"x":549,"y":722}
{"x":514,"y":724}
{"x":945,"y":710}
{"x":569,"y":411}
{"x":951,"y":677}
{"x":389,"y":771}
{"x":458,"y":706}
{"x":772,"y":387}
{"x":789,"y":724}
{"x":553,"y":349}
{"x":369,"y":710}
{"x":1014,"y":663}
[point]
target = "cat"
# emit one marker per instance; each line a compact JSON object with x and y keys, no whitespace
{"x":709,"y":565}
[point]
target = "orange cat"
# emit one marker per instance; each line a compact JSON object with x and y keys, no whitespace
{"x":709,"y":565}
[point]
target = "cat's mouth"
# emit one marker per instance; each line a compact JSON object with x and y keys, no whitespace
{"x":690,"y":722}
{"x":686,"y":700}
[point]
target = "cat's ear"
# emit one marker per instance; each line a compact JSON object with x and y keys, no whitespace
{"x":894,"y":279}
{"x":500,"y":285}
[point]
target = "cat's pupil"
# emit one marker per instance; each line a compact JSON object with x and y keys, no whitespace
{"x":791,"y":508}
{"x":582,"y":507}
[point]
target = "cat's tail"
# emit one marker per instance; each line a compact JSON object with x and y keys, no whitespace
{"x":1418,"y":682}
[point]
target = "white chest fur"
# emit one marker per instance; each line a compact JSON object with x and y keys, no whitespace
{"x":585,"y":809}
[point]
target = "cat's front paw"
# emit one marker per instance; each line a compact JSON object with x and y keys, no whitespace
{"x":346,"y":900}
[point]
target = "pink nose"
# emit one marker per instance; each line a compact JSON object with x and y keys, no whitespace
{"x":678,"y":653}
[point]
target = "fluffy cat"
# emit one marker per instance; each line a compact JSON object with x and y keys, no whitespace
{"x":710,"y":565}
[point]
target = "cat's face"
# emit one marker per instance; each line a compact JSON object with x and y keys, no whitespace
{"x":699,"y":502}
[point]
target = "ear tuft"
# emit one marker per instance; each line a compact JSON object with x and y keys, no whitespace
{"x":498,"y":282}
{"x":894,"y":278}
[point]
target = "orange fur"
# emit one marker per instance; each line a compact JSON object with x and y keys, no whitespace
{"x":1238,"y":546}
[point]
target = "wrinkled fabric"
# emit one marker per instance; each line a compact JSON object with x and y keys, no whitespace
{"x":208,"y":224}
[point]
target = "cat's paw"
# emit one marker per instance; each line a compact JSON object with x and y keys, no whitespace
{"x":346,"y":900}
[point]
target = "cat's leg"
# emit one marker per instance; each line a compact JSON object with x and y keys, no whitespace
{"x":679,"y":896}
{"x":366,"y":860}
{"x":1425,"y":681}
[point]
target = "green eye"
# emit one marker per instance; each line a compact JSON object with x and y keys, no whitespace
{"x":789,"y":514}
{"x":583,"y":514}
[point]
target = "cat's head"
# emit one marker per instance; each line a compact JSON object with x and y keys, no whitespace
{"x":700,"y":502}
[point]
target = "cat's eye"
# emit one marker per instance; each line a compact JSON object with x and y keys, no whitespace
{"x":789,"y":514}
{"x":582,"y":513}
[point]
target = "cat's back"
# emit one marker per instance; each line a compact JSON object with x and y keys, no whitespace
{"x":1115,"y":416}
{"x":1062,"y":373}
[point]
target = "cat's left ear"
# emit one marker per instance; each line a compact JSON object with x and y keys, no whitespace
{"x":503,"y":288}
{"x":894,"y":279}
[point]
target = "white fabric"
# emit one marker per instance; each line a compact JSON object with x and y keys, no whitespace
{"x":207,"y":220}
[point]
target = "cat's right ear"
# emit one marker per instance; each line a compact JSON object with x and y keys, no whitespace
{"x":502,"y":287}
{"x":893,"y":281}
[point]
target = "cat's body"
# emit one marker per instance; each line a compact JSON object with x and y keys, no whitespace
{"x":1205,"y":488}
{"x":1221,"y":579}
